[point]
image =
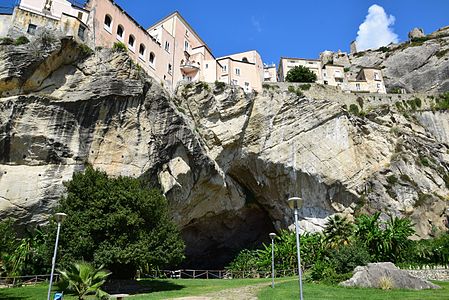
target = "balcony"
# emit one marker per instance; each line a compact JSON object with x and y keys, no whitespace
{"x":189,"y":67}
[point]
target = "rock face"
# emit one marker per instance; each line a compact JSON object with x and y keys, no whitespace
{"x":227,"y":161}
{"x":416,"y":66}
{"x":416,"y":33}
{"x":370,"y":276}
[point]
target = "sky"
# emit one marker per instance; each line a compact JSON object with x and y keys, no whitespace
{"x":295,"y":28}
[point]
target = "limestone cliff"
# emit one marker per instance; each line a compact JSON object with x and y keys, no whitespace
{"x":420,"y":65}
{"x":227,"y":161}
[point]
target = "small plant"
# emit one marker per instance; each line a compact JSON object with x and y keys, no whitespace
{"x":85,"y":50}
{"x":354,"y":109}
{"x":305,"y":87}
{"x":441,"y":53}
{"x":384,"y":49}
{"x":386,"y":283}
{"x":6,"y":41}
{"x":392,"y":179}
{"x":297,"y":91}
{"x":21,"y":40}
{"x":395,"y":90}
{"x":119,"y":47}
{"x":347,"y":69}
{"x":219,"y":86}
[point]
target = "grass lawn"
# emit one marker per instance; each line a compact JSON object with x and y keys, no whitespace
{"x":290,"y":290}
{"x":154,"y":289}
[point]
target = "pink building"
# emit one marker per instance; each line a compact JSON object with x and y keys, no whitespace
{"x":242,"y":69}
{"x":171,"y":51}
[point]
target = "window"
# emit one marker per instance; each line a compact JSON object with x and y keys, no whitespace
{"x":206,"y":66}
{"x":378,"y":85}
{"x":169,"y":69}
{"x":225,"y":69}
{"x":237,"y":71}
{"x":120,"y":32}
{"x":187,"y":33}
{"x":31,"y":28}
{"x":186,"y":46}
{"x":246,"y":86}
{"x":357,"y":86}
{"x":167,"y":46}
{"x":80,"y":15}
{"x":376,"y":76}
{"x":131,"y":40}
{"x":81,"y":31}
{"x":235,"y":82}
{"x":108,"y":23}
{"x":245,"y":59}
{"x":142,"y":51}
{"x":152,"y":58}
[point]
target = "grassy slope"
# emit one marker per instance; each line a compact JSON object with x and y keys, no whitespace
{"x":290,"y":290}
{"x":157,"y":289}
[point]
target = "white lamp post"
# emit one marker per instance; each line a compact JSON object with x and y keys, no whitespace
{"x":272,"y":236}
{"x":59,"y":217}
{"x":296,"y":203}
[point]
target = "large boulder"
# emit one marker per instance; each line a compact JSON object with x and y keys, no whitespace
{"x":374,"y":274}
{"x":416,"y":33}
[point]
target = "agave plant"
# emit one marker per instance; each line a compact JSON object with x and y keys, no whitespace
{"x":82,"y":278}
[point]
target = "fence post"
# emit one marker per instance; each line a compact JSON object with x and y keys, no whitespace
{"x":194,"y":276}
{"x":207,"y":274}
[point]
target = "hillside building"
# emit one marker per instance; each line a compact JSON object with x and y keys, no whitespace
{"x":171,"y":51}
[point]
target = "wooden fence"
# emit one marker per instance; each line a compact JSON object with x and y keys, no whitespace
{"x":216,"y":274}
{"x":26,"y":280}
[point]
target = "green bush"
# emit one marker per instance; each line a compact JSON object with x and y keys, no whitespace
{"x":395,"y":90}
{"x":6,"y":41}
{"x":219,"y":86}
{"x":21,"y":40}
{"x":347,"y":257}
{"x":392,"y":179}
{"x":354,"y":109}
{"x":297,"y":91}
{"x":384,"y":49}
{"x":300,"y":74}
{"x":305,"y":87}
{"x":246,"y":263}
{"x":442,"y":102}
{"x":85,"y":50}
{"x":119,"y":47}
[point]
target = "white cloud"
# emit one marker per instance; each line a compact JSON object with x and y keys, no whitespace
{"x":376,"y":30}
{"x":256,"y":24}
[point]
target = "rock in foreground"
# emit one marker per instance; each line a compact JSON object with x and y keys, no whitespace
{"x":372,"y":274}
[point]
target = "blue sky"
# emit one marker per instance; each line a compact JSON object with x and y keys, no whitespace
{"x":295,"y":28}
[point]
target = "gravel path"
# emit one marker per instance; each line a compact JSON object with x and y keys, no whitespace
{"x":248,"y":292}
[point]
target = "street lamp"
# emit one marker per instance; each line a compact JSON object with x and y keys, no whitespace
{"x":272,"y":236}
{"x":59,"y":217}
{"x":296,"y":203}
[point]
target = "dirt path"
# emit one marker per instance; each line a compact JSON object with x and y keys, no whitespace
{"x":248,"y":292}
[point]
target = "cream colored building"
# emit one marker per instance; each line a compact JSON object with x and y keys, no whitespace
{"x":368,"y":80}
{"x":270,"y":73}
{"x":243,"y":69}
{"x":288,"y":63}
{"x":333,"y":75}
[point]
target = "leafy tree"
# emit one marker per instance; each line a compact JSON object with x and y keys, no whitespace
{"x":119,"y":223}
{"x":338,"y":231}
{"x":83,"y":278}
{"x":300,"y":74}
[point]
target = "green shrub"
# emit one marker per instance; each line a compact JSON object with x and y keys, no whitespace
{"x":21,"y":40}
{"x":219,"y":86}
{"x":6,"y":41}
{"x":346,"y":258}
{"x":298,"y":92}
{"x":85,"y":50}
{"x":441,"y":53}
{"x":305,"y":87}
{"x":395,"y":90}
{"x":392,"y":179}
{"x":384,"y":49}
{"x":119,"y":47}
{"x":347,"y":69}
{"x":354,"y":109}
{"x":246,"y":263}
{"x":442,"y":102}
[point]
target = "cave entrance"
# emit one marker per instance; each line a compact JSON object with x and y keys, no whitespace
{"x":213,"y":242}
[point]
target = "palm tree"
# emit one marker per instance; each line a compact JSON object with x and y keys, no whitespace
{"x":83,"y":278}
{"x":338,"y":231}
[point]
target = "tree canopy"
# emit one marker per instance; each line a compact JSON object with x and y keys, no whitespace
{"x":119,"y":223}
{"x":300,"y":74}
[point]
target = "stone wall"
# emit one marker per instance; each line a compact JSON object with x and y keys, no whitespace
{"x":431,"y":274}
{"x":370,"y":100}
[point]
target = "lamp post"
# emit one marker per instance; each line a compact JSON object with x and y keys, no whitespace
{"x":296,"y":203}
{"x":59,"y":217}
{"x":272,"y":236}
